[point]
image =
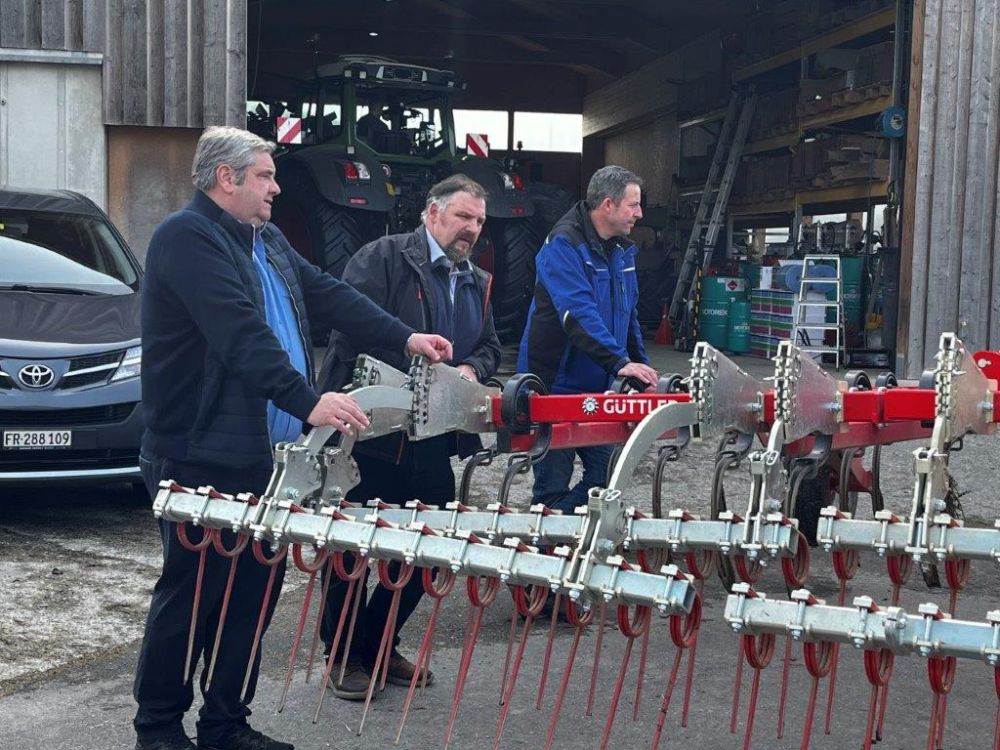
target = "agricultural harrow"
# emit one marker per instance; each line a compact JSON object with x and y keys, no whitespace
{"x":610,"y":560}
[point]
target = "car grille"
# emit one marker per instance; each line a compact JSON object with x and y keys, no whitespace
{"x":67,"y":459}
{"x":94,"y":415}
{"x":6,"y":382}
{"x":90,"y":370}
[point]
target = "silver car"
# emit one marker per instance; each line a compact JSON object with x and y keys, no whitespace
{"x":69,"y":342}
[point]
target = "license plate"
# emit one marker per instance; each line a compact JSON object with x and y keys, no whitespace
{"x":37,"y":439}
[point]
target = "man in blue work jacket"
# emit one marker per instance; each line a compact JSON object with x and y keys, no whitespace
{"x":582,"y":328}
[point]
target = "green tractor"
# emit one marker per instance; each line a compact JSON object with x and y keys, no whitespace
{"x":375,"y":136}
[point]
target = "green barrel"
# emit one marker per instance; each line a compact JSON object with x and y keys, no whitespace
{"x":739,"y":327}
{"x":853,"y":269}
{"x":713,"y":310}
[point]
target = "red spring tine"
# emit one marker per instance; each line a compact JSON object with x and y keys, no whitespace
{"x":319,"y":616}
{"x":899,"y":567}
{"x":510,"y":650}
{"x":737,"y":688}
{"x":547,"y":659}
{"x":530,"y":608}
{"x":845,"y":564}
{"x":642,"y":670}
{"x":956,"y":572}
{"x":234,"y":557}
{"x":878,"y":670}
{"x":701,"y":565}
{"x":353,"y":578}
{"x":758,"y":651}
{"x":479,"y":598}
{"x":201,"y":548}
{"x":941,"y":672}
{"x":747,"y":571}
{"x":602,"y":614}
{"x":786,"y":666}
{"x":996,"y":726}
{"x":796,"y":569}
{"x":819,"y":660}
{"x":579,"y":622}
{"x":310,"y":568}
{"x":631,"y":628}
{"x":272,"y":563}
{"x":684,"y":634}
{"x":381,"y":669}
{"x":437,"y":588}
{"x":359,"y":593}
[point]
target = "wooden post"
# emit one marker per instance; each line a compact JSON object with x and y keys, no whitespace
{"x":913,"y":284}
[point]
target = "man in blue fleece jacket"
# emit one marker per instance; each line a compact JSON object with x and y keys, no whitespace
{"x":226,"y":311}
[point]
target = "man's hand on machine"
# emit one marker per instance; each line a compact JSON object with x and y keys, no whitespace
{"x":435,"y":348}
{"x":339,"y":411}
{"x":638,"y":371}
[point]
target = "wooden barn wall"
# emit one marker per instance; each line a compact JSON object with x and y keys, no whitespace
{"x":179,"y":63}
{"x":951,"y":254}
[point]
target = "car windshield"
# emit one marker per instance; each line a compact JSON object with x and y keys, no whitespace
{"x":41,"y":251}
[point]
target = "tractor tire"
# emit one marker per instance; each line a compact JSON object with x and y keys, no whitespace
{"x":507,"y":250}
{"x":324,"y":233}
{"x":814,"y":495}
{"x":551,"y":204}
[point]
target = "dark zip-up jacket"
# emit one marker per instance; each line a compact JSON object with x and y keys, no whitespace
{"x":582,"y":326}
{"x":210,"y":362}
{"x":394,"y":271}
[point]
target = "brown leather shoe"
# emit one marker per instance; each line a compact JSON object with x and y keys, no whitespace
{"x":354,"y":686}
{"x":401,"y":669}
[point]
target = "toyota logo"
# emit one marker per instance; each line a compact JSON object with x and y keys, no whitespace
{"x":36,"y":376}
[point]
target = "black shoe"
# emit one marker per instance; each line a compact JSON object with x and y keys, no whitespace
{"x":245,"y":738}
{"x":176,"y":741}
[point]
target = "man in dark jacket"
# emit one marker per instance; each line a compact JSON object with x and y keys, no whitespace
{"x":426,"y":279}
{"x":583,"y":329}
{"x":226,"y":308}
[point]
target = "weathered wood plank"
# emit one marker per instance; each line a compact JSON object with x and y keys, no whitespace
{"x":215,"y":74}
{"x":133,"y":60}
{"x":960,"y":85}
{"x":196,"y":63}
{"x":175,"y":64}
{"x":53,"y":22}
{"x":33,"y":24}
{"x":155,"y":62}
{"x":74,"y":24}
{"x":12,"y":23}
{"x":991,"y":180}
{"x":93,"y":31}
{"x":114,"y":76}
{"x":973,"y":236}
{"x":942,"y":277}
{"x":921,"y":186}
{"x":236,"y":64}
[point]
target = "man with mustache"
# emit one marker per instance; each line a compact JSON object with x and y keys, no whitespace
{"x":426,"y":279}
{"x":582,"y":328}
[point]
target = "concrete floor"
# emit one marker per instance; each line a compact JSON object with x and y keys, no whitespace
{"x":78,"y":565}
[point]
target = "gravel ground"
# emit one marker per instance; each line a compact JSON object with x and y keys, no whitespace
{"x":78,"y":565}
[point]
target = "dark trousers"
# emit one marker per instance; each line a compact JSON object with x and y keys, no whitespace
{"x":424,"y":474}
{"x":159,"y":688}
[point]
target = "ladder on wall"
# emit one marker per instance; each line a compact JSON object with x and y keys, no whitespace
{"x":714,"y":199}
{"x":813,"y":280}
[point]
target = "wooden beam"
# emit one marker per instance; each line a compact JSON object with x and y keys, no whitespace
{"x":881,"y":20}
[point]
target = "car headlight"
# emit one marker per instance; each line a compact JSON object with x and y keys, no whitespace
{"x":131,"y":365}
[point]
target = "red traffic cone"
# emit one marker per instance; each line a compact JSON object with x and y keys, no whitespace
{"x":664,"y":334}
